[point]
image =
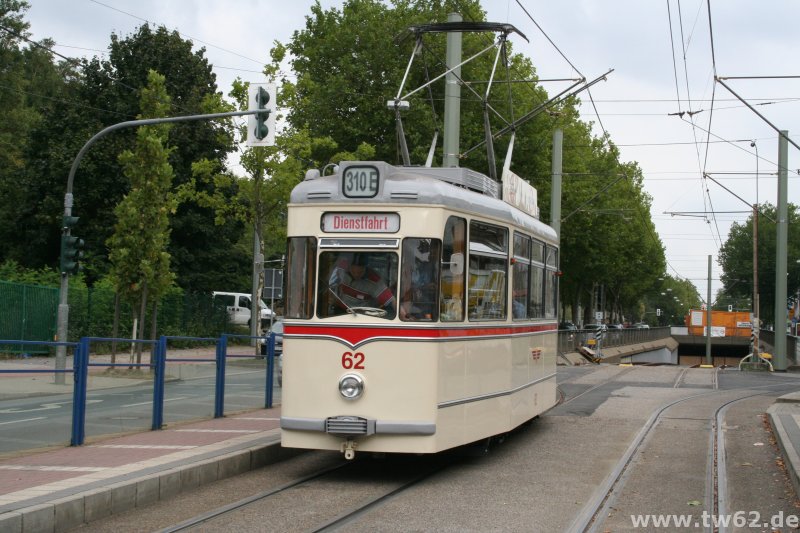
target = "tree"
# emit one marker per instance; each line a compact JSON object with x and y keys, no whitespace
{"x":736,"y":259}
{"x":138,"y":247}
{"x":31,"y":86}
{"x":104,"y":93}
{"x":344,"y":77}
{"x":673,"y":296}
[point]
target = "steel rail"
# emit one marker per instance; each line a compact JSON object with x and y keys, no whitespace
{"x":601,"y":503}
{"x":215,"y":513}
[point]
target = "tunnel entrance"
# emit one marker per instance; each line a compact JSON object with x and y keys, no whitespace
{"x":721,"y":354}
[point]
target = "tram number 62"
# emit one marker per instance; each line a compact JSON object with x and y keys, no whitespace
{"x":353,"y":361}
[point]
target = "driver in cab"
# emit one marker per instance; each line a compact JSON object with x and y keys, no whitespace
{"x":357,"y":285}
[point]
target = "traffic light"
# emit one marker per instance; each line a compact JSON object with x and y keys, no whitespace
{"x":261,"y":126}
{"x":71,"y":248}
{"x":71,"y":253}
{"x":262,"y":99}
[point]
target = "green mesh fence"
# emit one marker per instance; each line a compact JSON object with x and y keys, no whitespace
{"x":91,"y":314}
{"x":27,"y":312}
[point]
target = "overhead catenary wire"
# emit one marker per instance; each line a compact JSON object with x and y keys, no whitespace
{"x":550,"y":40}
{"x":518,"y":122}
{"x":62,"y":101}
{"x":605,"y":137}
{"x":558,"y":99}
{"x":711,"y":110}
{"x":180,"y":33}
{"x":674,"y":63}
{"x":691,"y":112}
{"x":78,"y":63}
{"x":588,"y":90}
{"x":705,"y":191}
{"x":39,"y":45}
{"x":774,"y":127}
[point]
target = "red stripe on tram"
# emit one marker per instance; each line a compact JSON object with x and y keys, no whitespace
{"x":355,"y":335}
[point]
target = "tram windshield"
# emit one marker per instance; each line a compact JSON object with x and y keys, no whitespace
{"x":363,"y":282}
{"x":425,"y":279}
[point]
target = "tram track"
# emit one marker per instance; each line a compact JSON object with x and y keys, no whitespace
{"x":591,"y":518}
{"x":563,"y":396}
{"x":354,"y":514}
{"x":232,"y":507}
{"x":696,"y":456}
{"x":342,"y":518}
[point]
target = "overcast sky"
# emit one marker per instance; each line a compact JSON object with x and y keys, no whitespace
{"x":637,"y":105}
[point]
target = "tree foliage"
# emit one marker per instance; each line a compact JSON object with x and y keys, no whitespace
{"x":346,"y":62}
{"x":86,"y":100}
{"x":736,"y":259}
{"x":138,"y":247}
{"x":344,"y":78}
{"x":31,"y":87}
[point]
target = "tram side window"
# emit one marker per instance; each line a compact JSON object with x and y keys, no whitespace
{"x":551,"y":289}
{"x":521,"y":279}
{"x":536,"y":303}
{"x":451,"y":292}
{"x":300,"y":267}
{"x":488,"y":260}
{"x":419,"y":280}
{"x":361,"y":282}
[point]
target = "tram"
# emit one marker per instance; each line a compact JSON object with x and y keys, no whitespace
{"x":420,"y":311}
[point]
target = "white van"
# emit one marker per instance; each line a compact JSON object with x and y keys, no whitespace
{"x":239,"y":304}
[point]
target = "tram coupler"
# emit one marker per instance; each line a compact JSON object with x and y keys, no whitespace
{"x":349,"y":449}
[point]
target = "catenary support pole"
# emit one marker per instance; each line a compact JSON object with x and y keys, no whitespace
{"x":755,"y":320}
{"x":452,"y":97}
{"x":781,"y":247}
{"x":708,"y":317}
{"x":555,"y":196}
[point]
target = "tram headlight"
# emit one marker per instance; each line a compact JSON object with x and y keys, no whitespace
{"x":351,"y":386}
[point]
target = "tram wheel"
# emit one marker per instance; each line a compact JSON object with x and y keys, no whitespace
{"x":479,"y":448}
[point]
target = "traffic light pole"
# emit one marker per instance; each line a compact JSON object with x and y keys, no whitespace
{"x":63,"y":300}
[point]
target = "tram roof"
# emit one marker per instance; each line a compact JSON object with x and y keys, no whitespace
{"x":455,"y":188}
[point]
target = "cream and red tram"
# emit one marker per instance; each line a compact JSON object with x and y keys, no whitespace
{"x":449,"y":335}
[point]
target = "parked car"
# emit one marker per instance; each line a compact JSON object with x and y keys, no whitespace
{"x":568,"y":326}
{"x":590,"y":332}
{"x":277,"y":329}
{"x":595,"y":327}
{"x":238,"y":305}
{"x":640,"y":325}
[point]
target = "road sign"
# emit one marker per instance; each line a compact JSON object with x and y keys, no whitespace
{"x":273,"y":284}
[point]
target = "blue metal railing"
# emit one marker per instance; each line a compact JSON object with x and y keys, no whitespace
{"x":270,"y":355}
{"x":161,"y":364}
{"x":81,"y":363}
{"x":79,"y":376}
{"x":80,"y":399}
